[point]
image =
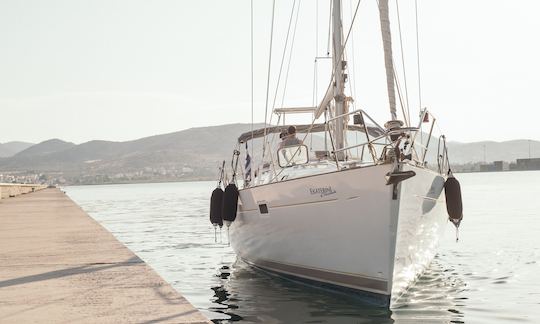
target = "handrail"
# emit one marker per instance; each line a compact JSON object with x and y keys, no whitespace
{"x":443,"y":158}
{"x":428,"y":140}
{"x":386,"y":134}
{"x":354,"y":112}
{"x":295,"y":110}
{"x":358,"y":145}
{"x":409,"y":134}
{"x":343,"y":115}
{"x":401,"y":130}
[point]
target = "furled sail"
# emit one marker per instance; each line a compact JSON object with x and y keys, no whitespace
{"x":328,"y":97}
{"x":388,"y":63}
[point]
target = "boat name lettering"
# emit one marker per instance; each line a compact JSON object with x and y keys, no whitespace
{"x":323,"y":191}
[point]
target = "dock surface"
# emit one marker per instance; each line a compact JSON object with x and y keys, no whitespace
{"x":58,"y":265}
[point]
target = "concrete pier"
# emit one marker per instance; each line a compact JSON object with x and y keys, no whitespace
{"x":8,"y":190}
{"x":58,"y":265}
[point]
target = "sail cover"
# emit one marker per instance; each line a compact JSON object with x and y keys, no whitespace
{"x":388,"y":63}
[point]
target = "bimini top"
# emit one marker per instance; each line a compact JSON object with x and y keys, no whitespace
{"x":315,"y":128}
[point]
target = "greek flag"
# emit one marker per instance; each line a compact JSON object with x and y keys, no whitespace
{"x":247,"y":176}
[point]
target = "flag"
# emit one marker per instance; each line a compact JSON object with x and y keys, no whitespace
{"x":247,"y":176}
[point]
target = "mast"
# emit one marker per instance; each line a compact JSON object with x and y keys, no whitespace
{"x":339,"y":82}
{"x":388,"y":62}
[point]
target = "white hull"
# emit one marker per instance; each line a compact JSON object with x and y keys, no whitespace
{"x":345,"y":228}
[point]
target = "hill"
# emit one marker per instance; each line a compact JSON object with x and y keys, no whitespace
{"x":488,"y":151}
{"x":44,"y":148}
{"x":191,"y":154}
{"x":12,"y":148}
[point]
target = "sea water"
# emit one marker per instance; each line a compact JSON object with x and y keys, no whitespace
{"x":492,"y":275}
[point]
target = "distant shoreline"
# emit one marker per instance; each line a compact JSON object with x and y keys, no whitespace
{"x":213,"y":180}
{"x":138,"y":182}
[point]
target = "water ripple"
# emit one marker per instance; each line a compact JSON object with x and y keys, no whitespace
{"x":490,"y":276}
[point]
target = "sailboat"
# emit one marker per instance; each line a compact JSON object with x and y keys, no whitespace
{"x":368,"y":223}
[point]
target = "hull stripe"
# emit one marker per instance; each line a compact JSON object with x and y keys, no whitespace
{"x":292,"y":205}
{"x":341,"y":279}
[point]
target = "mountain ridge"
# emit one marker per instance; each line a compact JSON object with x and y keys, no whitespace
{"x":9,"y":149}
{"x":194,"y":153}
{"x":45,"y":147}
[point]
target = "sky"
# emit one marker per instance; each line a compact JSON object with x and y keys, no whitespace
{"x":124,"y":69}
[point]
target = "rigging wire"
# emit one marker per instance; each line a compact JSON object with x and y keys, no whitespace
{"x":418,"y":66}
{"x":315,"y":62}
{"x":252,"y":82}
{"x":396,"y":80}
{"x":281,"y":66}
{"x":342,"y":49}
{"x":334,"y":67}
{"x":398,"y":87}
{"x":341,"y":52}
{"x":403,"y":65}
{"x":314,"y":97}
{"x":418,"y":54}
{"x":283,"y":58}
{"x":290,"y":53}
{"x":329,"y":30}
{"x":316,"y":28}
{"x":353,"y":78}
{"x":353,"y":74}
{"x":268,"y":79}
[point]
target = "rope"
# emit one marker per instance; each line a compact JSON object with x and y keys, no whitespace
{"x":221,"y":174}
{"x":269,"y":69}
{"x":234,"y":163}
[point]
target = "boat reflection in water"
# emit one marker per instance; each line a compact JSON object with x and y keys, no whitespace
{"x":250,"y":295}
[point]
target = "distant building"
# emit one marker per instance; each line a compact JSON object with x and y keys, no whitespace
{"x":528,"y":164}
{"x":492,"y":167}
